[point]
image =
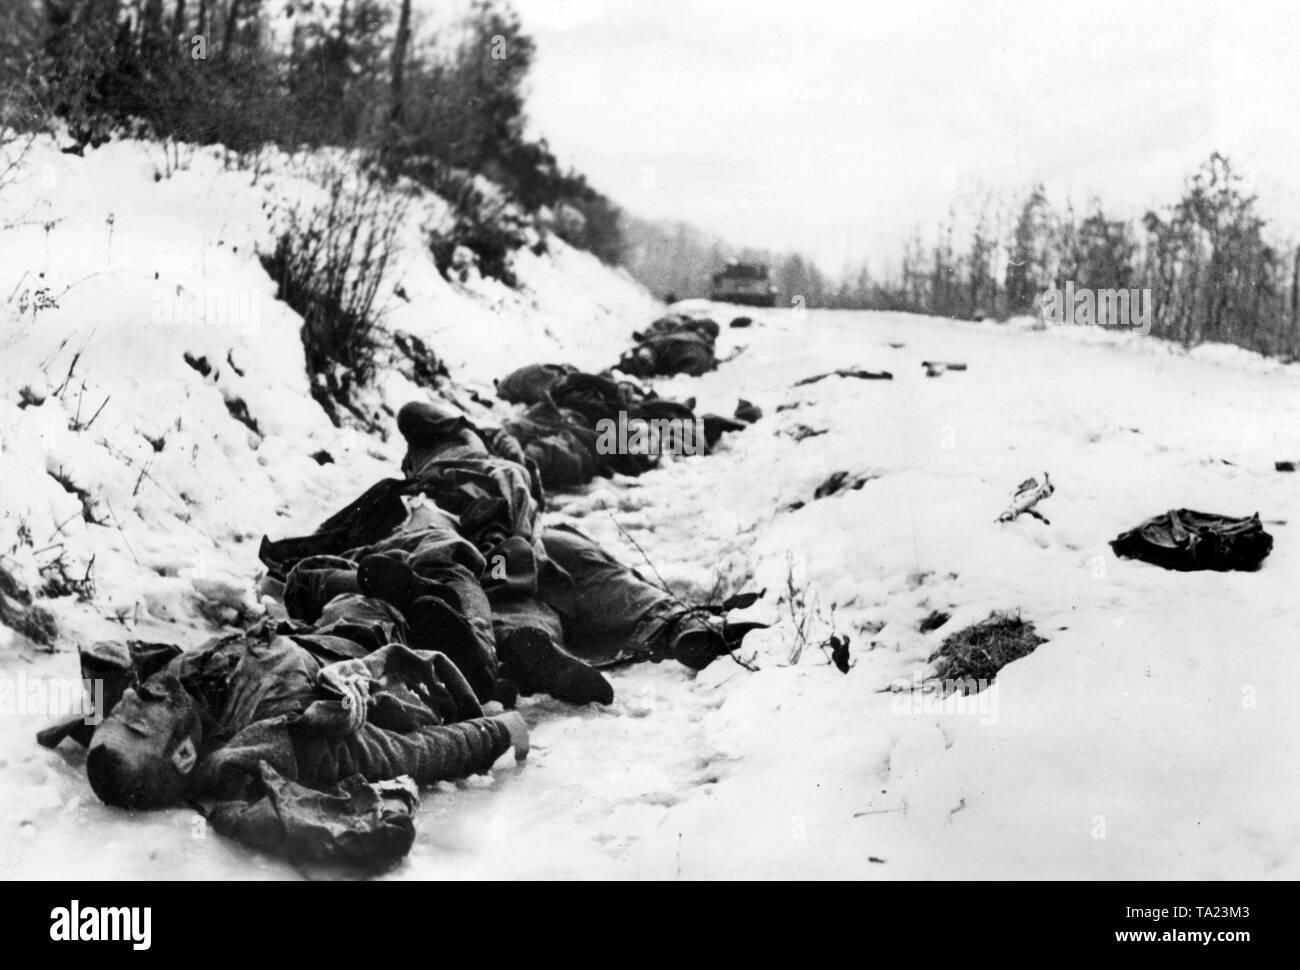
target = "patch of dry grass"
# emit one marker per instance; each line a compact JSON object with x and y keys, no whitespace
{"x":979,"y":651}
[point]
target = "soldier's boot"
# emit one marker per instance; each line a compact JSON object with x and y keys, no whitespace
{"x":538,"y":665}
{"x":696,"y":643}
{"x":437,"y":626}
{"x":393,"y":581}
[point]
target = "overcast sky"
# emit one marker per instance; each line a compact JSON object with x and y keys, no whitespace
{"x":835,"y":127}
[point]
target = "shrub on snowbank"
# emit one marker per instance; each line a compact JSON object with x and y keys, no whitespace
{"x":328,"y":263}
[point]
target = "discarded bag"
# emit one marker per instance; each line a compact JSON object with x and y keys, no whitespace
{"x":1183,"y":539}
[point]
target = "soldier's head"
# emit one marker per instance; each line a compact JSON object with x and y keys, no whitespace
{"x":143,"y":754}
{"x":427,"y":422}
{"x":435,"y":430}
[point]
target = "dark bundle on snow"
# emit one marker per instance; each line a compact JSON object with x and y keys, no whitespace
{"x":1183,"y":539}
{"x":675,"y":344}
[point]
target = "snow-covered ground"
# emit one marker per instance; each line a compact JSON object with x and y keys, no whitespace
{"x":1151,"y":736}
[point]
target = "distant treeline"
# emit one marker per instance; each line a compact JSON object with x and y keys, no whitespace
{"x":444,"y":102}
{"x":1213,"y":271}
{"x":434,"y":101}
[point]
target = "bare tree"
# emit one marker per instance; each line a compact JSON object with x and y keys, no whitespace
{"x":400,"y":43}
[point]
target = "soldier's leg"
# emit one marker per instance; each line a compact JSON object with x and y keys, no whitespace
{"x":530,"y":642}
{"x":562,"y":462}
{"x":369,"y":622}
{"x":463,"y":628}
{"x":315,"y":581}
{"x":611,"y":612}
{"x":435,"y":560}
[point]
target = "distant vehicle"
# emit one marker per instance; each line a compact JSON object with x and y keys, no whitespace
{"x":745,"y":283}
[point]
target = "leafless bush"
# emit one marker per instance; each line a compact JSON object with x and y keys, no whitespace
{"x":329,"y":262}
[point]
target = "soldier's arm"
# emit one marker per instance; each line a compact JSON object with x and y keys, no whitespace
{"x":429,"y":755}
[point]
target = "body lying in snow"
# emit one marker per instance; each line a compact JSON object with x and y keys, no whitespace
{"x":686,"y":351}
{"x":403,"y":619}
{"x":577,"y":425}
{"x":674,"y":344}
{"x":261,"y":729}
{"x":518,"y":607}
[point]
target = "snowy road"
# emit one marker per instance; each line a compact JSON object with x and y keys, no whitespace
{"x":1152,"y":736}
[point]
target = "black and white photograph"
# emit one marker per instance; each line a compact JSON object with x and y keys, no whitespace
{"x":691,"y":440}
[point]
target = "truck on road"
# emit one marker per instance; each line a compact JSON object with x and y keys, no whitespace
{"x":745,"y":283}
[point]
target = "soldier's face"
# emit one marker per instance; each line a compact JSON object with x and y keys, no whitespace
{"x":143,"y":753}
